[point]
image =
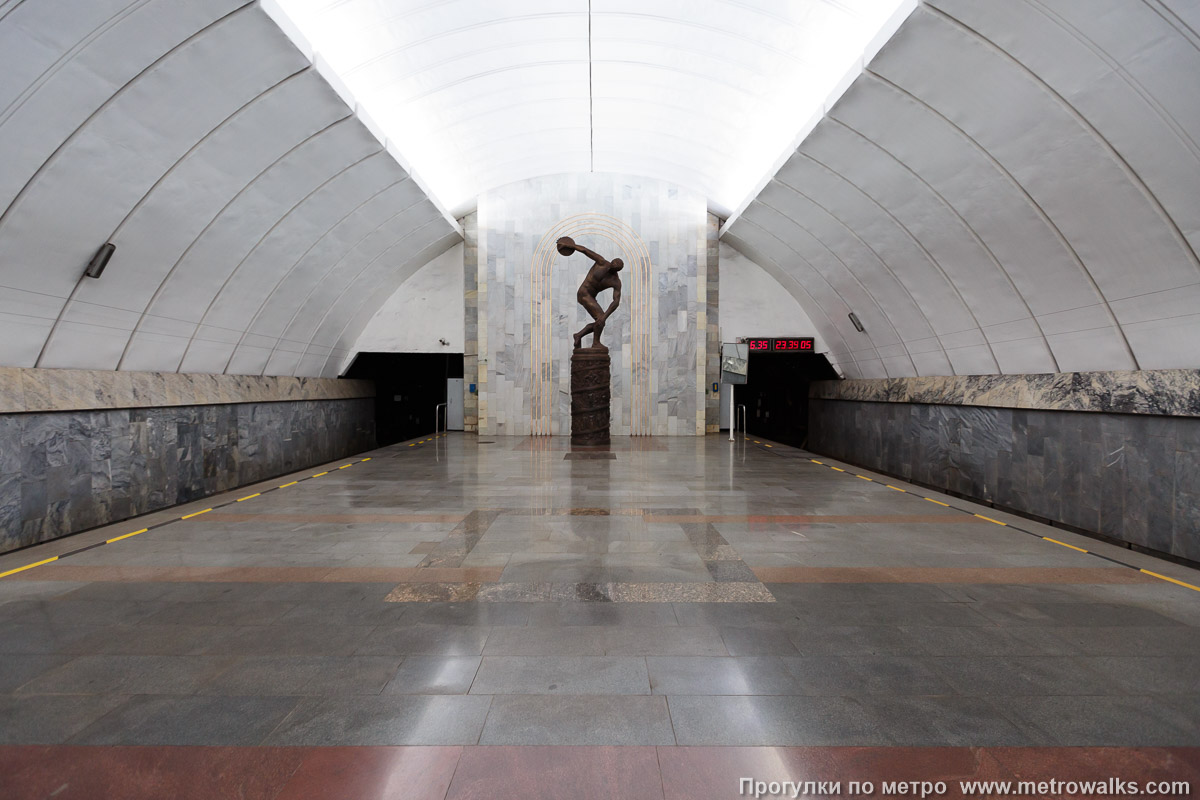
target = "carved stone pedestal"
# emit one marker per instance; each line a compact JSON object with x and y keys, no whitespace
{"x":590,"y":395}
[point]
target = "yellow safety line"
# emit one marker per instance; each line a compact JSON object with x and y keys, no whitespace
{"x":1064,"y":544}
{"x":145,"y":530}
{"x":126,"y":536}
{"x":768,"y":445}
{"x":27,"y":566}
{"x":1155,"y":574}
{"x":998,"y":522}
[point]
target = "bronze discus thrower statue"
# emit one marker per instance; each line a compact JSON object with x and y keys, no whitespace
{"x":603,"y":275}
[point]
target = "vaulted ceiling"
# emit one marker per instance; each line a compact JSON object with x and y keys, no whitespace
{"x":702,"y":93}
{"x":1008,"y":187}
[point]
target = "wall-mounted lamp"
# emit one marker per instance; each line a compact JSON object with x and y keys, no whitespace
{"x":100,"y":260}
{"x":857,"y":325}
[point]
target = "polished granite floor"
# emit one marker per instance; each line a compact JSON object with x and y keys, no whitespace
{"x":455,"y":617}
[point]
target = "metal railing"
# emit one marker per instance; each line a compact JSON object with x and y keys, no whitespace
{"x":437,"y":416}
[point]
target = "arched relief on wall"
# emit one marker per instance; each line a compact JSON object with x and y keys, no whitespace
{"x":636,"y":297}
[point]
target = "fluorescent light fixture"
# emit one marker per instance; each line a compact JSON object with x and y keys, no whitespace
{"x":858,"y":326}
{"x":707,"y":94}
{"x":99,"y":261}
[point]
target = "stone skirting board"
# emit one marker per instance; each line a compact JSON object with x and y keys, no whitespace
{"x":24,"y":389}
{"x":66,"y":471}
{"x":1132,"y":477}
{"x":1170,"y":392}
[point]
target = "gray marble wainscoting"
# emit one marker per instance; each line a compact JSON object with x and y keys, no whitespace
{"x":66,"y":471}
{"x":1132,"y":477}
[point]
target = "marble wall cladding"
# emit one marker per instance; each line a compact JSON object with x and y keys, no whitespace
{"x":1172,"y":392}
{"x":24,"y":389}
{"x":66,"y":471}
{"x":712,"y":339}
{"x":1131,"y":477}
{"x":668,"y":225}
{"x":470,"y":225}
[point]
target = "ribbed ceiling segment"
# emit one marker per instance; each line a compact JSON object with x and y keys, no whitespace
{"x":707,"y":94}
{"x":258,"y":224}
{"x":1010,"y":187}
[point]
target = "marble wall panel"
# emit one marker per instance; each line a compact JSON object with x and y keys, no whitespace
{"x":1171,"y":392}
{"x":712,"y":339}
{"x":66,"y":471}
{"x":1131,"y":477}
{"x":470,"y":225}
{"x":26,"y":389}
{"x":672,"y":226}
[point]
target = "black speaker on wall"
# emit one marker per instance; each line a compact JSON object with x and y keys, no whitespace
{"x":100,"y":260}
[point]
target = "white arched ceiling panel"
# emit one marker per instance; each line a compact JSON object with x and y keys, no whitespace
{"x":1043,"y":154}
{"x":128,"y":147}
{"x":753,"y":71}
{"x":266,"y":265}
{"x":389,"y":249}
{"x":1129,"y":246}
{"x":255,"y":348}
{"x":42,"y":256}
{"x":303,"y":277}
{"x":196,"y":137}
{"x":776,"y":209}
{"x":1041,"y":265}
{"x":83,"y":63}
{"x":341,"y":348}
{"x":157,"y":236}
{"x":309,"y":169}
{"x":814,"y":293}
{"x":1013,"y":341}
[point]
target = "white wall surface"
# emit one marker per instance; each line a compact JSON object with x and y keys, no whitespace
{"x":755,"y":304}
{"x":427,"y":307}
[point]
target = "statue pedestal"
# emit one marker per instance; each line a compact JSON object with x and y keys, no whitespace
{"x":590,"y":395}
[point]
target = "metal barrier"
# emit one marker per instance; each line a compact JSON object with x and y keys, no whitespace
{"x":437,"y":415}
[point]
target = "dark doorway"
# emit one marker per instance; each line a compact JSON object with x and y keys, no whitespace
{"x":408,"y":387}
{"x":776,"y":394}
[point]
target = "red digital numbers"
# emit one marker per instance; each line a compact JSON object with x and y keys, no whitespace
{"x":788,"y":344}
{"x":793,"y":345}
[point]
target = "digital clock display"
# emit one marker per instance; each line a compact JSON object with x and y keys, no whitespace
{"x":783,"y":344}
{"x":793,"y":344}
